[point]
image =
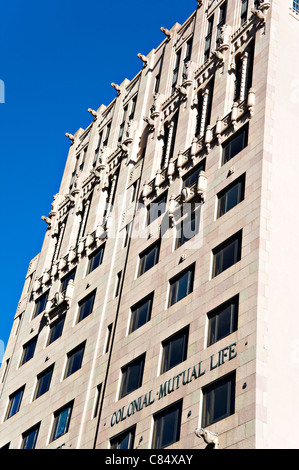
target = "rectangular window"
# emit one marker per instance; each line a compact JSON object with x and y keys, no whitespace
{"x":157,"y":83}
{"x":156,"y":208}
{"x":56,"y":329}
{"x":218,"y":400}
{"x":29,"y":437}
{"x":15,"y":401}
{"x":234,"y":145}
{"x":167,"y":426}
{"x":124,"y":440}
{"x":227,"y":254}
{"x":208,"y":41}
{"x":28,"y":350}
{"x":296,"y":5}
{"x":133,"y":108}
{"x":141,"y":313}
{"x":176,"y":71}
{"x":108,"y":127}
{"x":181,"y":285}
{"x":149,"y":258}
{"x":74,"y":360}
{"x":86,"y":306}
{"x":62,"y":419}
{"x":96,"y":259}
{"x":132,"y":375}
{"x":175,"y":350}
{"x":244,"y":10}
{"x":40,"y":304}
{"x":222,"y":18}
{"x":108,"y":337}
{"x":231,"y":196}
{"x":127,"y":234}
{"x":187,"y":229}
{"x":223,"y":320}
{"x":43,"y":382}
{"x":65,"y":280}
{"x":192,"y":177}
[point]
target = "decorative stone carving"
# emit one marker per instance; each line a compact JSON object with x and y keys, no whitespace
{"x":182,"y":91}
{"x":117,"y":88}
{"x":218,"y":55}
{"x":224,"y":38}
{"x":210,"y":438}
{"x":157,"y":105}
{"x":188,"y":74}
{"x":93,"y":113}
{"x":150,"y":122}
{"x":166,"y":32}
{"x":70,"y":136}
{"x":130,"y":132}
{"x":251,"y":101}
{"x":47,"y":220}
{"x":143,"y":58}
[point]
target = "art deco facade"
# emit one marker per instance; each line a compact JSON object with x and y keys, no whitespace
{"x":161,"y":311}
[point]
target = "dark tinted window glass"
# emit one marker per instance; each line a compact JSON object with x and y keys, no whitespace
{"x":56,"y":330}
{"x":66,"y":279}
{"x":167,"y":426}
{"x":223,"y":320}
{"x":40,"y":304}
{"x":156,"y":208}
{"x":192,"y":177}
{"x":219,"y":400}
{"x":74,"y":361}
{"x":15,"y":402}
{"x":132,"y":376}
{"x":141,"y":313}
{"x":61,"y":421}
{"x":235,"y":144}
{"x":175,"y":350}
{"x":181,"y":286}
{"x":149,"y":258}
{"x":125,"y":440}
{"x":231,"y":196}
{"x":95,"y":260}
{"x":86,"y":307}
{"x":30,"y":438}
{"x":43,"y":382}
{"x":28,"y":350}
{"x":227,"y":254}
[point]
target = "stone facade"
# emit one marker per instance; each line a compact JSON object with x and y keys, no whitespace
{"x":193,"y":95}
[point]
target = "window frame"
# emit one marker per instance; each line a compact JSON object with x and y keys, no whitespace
{"x":228,"y":142}
{"x":177,"y":407}
{"x":153,"y":214}
{"x":125,"y":376}
{"x":65,"y":279}
{"x":71,"y":366}
{"x":39,"y":385}
{"x":81,"y":311}
{"x":93,"y":261}
{"x":58,"y":321}
{"x":175,"y":279}
{"x":143,"y":257}
{"x":131,"y":432}
{"x":168,"y":348}
{"x":240,"y":182}
{"x":149,"y":299}
{"x":40,"y":302}
{"x":214,"y":320}
{"x":230,"y":380}
{"x":69,"y":406}
{"x":11,"y":402}
{"x":218,"y":253}
{"x":25,"y":348}
{"x":26,"y":434}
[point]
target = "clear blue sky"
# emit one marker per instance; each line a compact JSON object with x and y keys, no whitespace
{"x":57,"y":59}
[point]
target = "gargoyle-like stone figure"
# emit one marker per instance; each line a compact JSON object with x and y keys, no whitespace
{"x":218,"y":55}
{"x":70,"y":136}
{"x":92,"y":112}
{"x":150,"y":122}
{"x":210,"y":438}
{"x":166,"y":32}
{"x":47,"y":220}
{"x":124,"y":149}
{"x":70,"y":198}
{"x":259,"y":14}
{"x":130,"y":131}
{"x":182,"y":91}
{"x":116,"y":87}
{"x":143,"y":58}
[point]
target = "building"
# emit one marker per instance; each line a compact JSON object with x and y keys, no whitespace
{"x":161,"y":311}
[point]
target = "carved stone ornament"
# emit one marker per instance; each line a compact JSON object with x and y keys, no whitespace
{"x":157,"y":105}
{"x":188,"y":75}
{"x":210,"y":438}
{"x":143,"y":58}
{"x":224,"y":38}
